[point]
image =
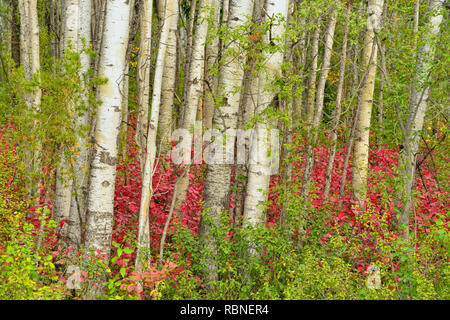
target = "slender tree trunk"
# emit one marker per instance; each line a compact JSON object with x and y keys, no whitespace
{"x":187,"y":58}
{"x":100,"y":204}
{"x":81,"y":165}
{"x":143,"y":76}
{"x":64,"y":180}
{"x":338,"y":110}
{"x":260,"y":164}
{"x":212,"y":53}
{"x":249,"y":99}
{"x":312,"y":76}
{"x":30,"y":60}
{"x":99,"y":10}
{"x":134,"y":26}
{"x":168,"y":85}
{"x":194,"y":88}
{"x":287,"y":107}
{"x":218,"y":175}
{"x":317,"y":116}
{"x":418,"y":106}
{"x":29,"y":39}
{"x":361,"y":150}
{"x":147,"y":191}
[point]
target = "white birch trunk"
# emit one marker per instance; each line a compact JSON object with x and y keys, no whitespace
{"x":194,"y":87}
{"x":218,"y":176}
{"x":365,"y":101}
{"x":100,"y":204}
{"x":30,"y":60}
{"x":317,"y":115}
{"x":249,"y":100}
{"x":338,"y":110}
{"x":168,"y":84}
{"x":259,"y":168}
{"x":64,"y":181}
{"x":143,"y":75}
{"x":418,"y":104}
{"x":147,"y":191}
{"x":212,"y":52}
{"x":79,"y":193}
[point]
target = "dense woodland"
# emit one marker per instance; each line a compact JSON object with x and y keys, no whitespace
{"x":235,"y":149}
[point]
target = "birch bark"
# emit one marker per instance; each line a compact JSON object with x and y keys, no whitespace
{"x":147,"y":191}
{"x":218,"y":175}
{"x":338,"y":110}
{"x":168,"y":85}
{"x":418,"y":104}
{"x":194,"y":87}
{"x":365,"y":102}
{"x":318,"y":111}
{"x":260,"y":164}
{"x":100,"y":204}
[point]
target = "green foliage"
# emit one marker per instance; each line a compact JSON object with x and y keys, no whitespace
{"x":27,"y":273}
{"x":265,"y":263}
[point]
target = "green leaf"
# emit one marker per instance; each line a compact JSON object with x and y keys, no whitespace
{"x":128,"y":250}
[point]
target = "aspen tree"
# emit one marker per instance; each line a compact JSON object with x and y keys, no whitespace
{"x":287,"y":107}
{"x":365,"y":101}
{"x":259,"y":167}
{"x":143,"y":75}
{"x":147,"y":191}
{"x":218,"y":175}
{"x":64,"y":181}
{"x":211,"y":55}
{"x":247,"y":108}
{"x":194,"y":84}
{"x":30,"y":60}
{"x":318,"y":110}
{"x":81,"y":165}
{"x":98,"y":25}
{"x":168,"y":85}
{"x":312,"y":75}
{"x":29,"y":45}
{"x":338,"y":110}
{"x":134,"y":26}
{"x":100,"y":204}
{"x":418,"y":105}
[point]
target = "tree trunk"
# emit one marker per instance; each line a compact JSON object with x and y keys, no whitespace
{"x":365,"y":101}
{"x":317,"y":116}
{"x":100,"y":204}
{"x":143,"y":246}
{"x":260,"y":164}
{"x":168,"y":86}
{"x":64,"y":181}
{"x":143,"y":76}
{"x":418,"y":106}
{"x":212,"y":53}
{"x":338,"y":110}
{"x":312,"y":76}
{"x":249,"y":99}
{"x":194,"y":88}
{"x":98,"y":21}
{"x":81,"y":165}
{"x":218,"y":175}
{"x":30,"y":60}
